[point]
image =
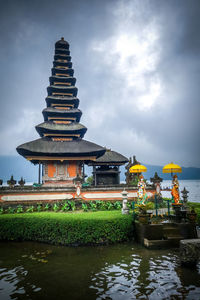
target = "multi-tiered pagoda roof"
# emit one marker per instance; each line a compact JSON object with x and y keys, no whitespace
{"x":61,"y":133}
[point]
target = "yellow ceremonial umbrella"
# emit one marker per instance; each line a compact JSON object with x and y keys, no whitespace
{"x":137,"y":169}
{"x":172,"y":168}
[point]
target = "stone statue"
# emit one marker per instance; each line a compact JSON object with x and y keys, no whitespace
{"x":175,"y":190}
{"x":156,"y":180}
{"x":142,"y":195}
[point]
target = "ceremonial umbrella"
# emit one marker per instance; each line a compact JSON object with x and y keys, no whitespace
{"x":137,"y":169}
{"x":172,"y":168}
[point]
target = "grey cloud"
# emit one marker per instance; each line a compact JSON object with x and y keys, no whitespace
{"x":168,"y":131}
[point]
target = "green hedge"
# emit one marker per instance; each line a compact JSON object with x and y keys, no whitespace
{"x":101,"y":227}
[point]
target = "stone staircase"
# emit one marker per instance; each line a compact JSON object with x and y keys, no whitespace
{"x":171,"y":233}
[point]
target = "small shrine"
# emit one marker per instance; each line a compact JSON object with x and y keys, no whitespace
{"x":106,"y":168}
{"x":61,"y":149}
{"x":131,"y":176}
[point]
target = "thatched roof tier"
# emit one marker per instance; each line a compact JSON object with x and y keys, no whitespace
{"x":54,"y":113}
{"x":50,"y":100}
{"x":59,"y":80}
{"x":110,"y":158}
{"x":62,"y":52}
{"x":62,"y":90}
{"x":50,"y":127}
{"x":62,"y":72}
{"x":45,"y":147}
{"x":62,"y":57}
{"x":62,"y":64}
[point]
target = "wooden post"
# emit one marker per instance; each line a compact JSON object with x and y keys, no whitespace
{"x":118,"y":175}
{"x":95,"y":176}
{"x":83,"y":172}
{"x":39,"y":171}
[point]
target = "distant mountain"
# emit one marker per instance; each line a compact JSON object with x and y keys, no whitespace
{"x":187,"y":173}
{"x":20,"y":167}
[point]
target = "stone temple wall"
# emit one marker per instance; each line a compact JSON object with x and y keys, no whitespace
{"x":31,"y":194}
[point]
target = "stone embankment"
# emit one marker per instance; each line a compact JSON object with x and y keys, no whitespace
{"x":189,"y":252}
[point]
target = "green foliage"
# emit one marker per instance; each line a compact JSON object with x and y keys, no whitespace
{"x":30,"y":209}
{"x":89,"y":180}
{"x":19,"y":209}
{"x":150,"y":205}
{"x":117,"y":205}
{"x":56,"y":207}
{"x":72,"y":205}
{"x":67,"y":229}
{"x":196,"y":207}
{"x":101,"y":205}
{"x":11,"y":210}
{"x":109,"y":205}
{"x":98,"y":204}
{"x":84,"y":207}
{"x":135,"y":180}
{"x":65,"y":206}
{"x":39,"y":207}
{"x":166,"y":199}
{"x":46,"y":207}
{"x":1,"y":210}
{"x":92,"y":206}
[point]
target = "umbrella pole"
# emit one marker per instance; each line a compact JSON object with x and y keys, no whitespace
{"x":168,"y":207}
{"x":156,"y":205}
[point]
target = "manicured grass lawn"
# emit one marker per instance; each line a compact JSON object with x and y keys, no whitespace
{"x":78,"y":228}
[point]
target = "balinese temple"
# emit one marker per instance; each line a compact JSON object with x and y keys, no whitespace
{"x":61,"y":150}
{"x":106,"y":168}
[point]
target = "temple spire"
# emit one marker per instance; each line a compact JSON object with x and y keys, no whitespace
{"x":61,"y":132}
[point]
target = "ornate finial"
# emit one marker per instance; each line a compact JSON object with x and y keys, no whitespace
{"x":156,"y":178}
{"x":62,"y":38}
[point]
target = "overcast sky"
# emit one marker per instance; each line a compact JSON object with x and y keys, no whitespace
{"x":137,"y":65}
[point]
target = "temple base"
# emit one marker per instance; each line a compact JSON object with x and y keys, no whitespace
{"x":57,"y":173}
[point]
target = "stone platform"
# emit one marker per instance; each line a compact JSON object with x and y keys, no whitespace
{"x":155,"y":236}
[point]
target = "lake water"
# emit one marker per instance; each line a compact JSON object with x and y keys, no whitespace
{"x":193,"y":186}
{"x":124,"y":271}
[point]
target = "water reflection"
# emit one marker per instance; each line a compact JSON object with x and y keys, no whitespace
{"x":38,"y":271}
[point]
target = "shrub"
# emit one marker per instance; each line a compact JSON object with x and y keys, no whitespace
{"x":65,"y":206}
{"x":109,"y":205}
{"x":46,"y":207}
{"x":117,"y":205}
{"x":39,"y":207}
{"x":67,"y":229}
{"x":19,"y":209}
{"x":72,"y":205}
{"x":92,"y":206}
{"x":84,"y":207}
{"x":102,"y":205}
{"x":30,"y":209}
{"x":11,"y":210}
{"x":55,"y":207}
